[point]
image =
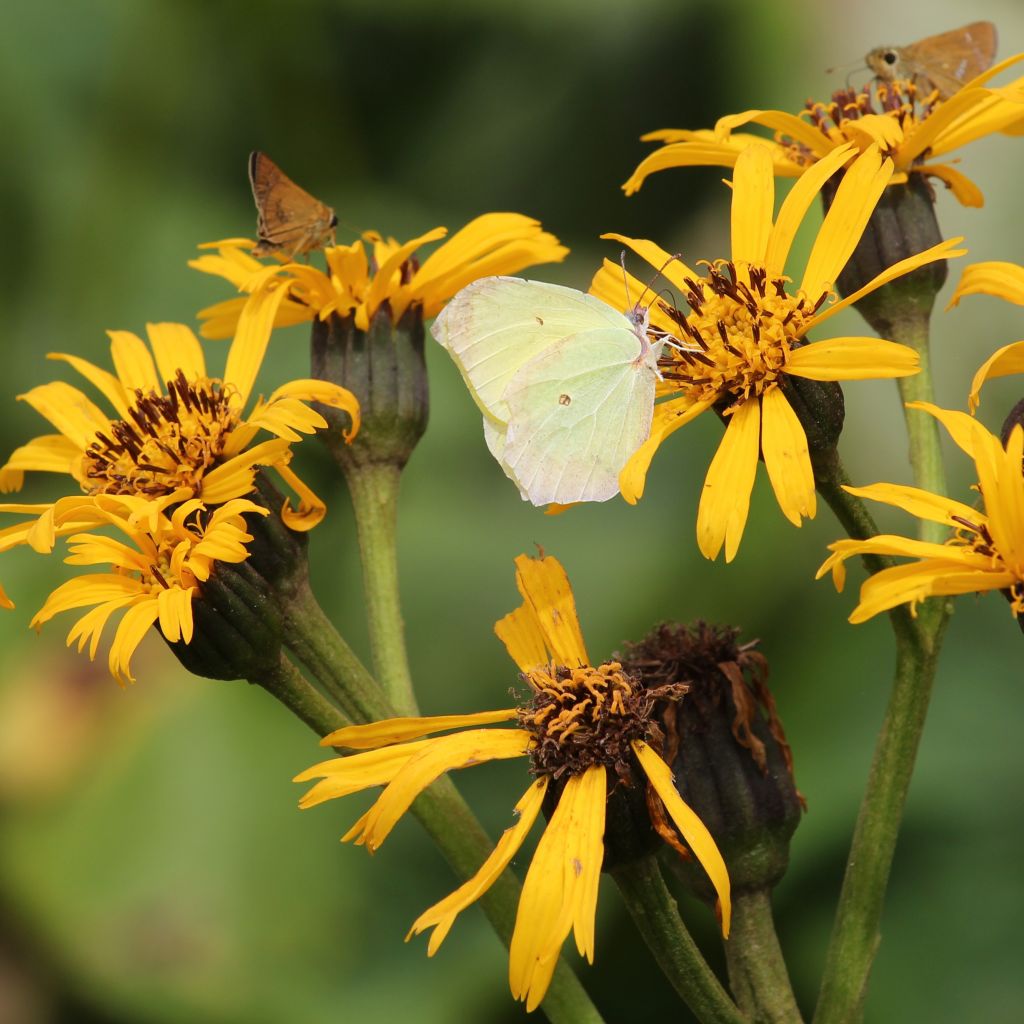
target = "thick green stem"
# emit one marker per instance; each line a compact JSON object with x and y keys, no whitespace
{"x":441,"y":810}
{"x":855,"y":933}
{"x":757,"y":970}
{"x":336,"y":668}
{"x":656,"y":915}
{"x":374,"y":491}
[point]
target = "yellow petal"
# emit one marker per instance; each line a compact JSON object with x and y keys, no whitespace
{"x":311,"y":510}
{"x":852,"y":359}
{"x":669,"y":265}
{"x":176,"y":349}
{"x":796,"y":128}
{"x":786,"y":458}
{"x":963,"y":189}
{"x":441,"y":916}
{"x":443,"y":754}
{"x":69,"y":411}
{"x":692,"y":829}
{"x":235,"y":478}
{"x":52,"y":453}
{"x":920,"y":503}
{"x":546,"y":592}
{"x":106,"y":383}
{"x":1002,"y":363}
{"x":725,"y":498}
{"x":134,"y":625}
{"x":522,"y":637}
{"x":753,"y":204}
{"x":668,"y":418}
{"x":855,"y":199}
{"x":944,"y":250}
{"x":707,"y":152}
{"x":321,"y":391}
{"x":967,"y":433}
{"x":919,"y":580}
{"x":399,"y":730}
{"x":795,"y":206}
{"x":560,"y":890}
{"x":1004,"y":280}
{"x":245,"y":357}
{"x":342,"y":776}
{"x":133,"y":363}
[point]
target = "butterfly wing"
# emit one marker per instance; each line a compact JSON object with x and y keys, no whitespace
{"x":956,"y":56}
{"x":496,"y":325}
{"x":577,"y":412}
{"x":288,"y":218}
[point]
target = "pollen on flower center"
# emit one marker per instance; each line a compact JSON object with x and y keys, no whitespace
{"x":168,"y":443}
{"x":581,"y":717}
{"x":837,"y":119}
{"x":738,"y":333}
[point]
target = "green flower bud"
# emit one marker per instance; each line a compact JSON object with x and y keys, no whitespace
{"x":384,"y":368}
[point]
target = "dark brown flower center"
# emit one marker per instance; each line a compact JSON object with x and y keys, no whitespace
{"x":580,"y":717}
{"x":169,"y":442}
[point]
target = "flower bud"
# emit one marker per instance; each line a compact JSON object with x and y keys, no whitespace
{"x":384,"y":368}
{"x":238,"y":614}
{"x":727,"y":749}
{"x":903,"y":224}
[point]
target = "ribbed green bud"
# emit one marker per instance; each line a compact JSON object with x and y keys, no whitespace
{"x":727,"y":749}
{"x":238,"y":615}
{"x":384,"y":368}
{"x":902,"y":225}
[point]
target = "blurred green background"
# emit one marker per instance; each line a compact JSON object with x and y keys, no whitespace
{"x":153,"y":866}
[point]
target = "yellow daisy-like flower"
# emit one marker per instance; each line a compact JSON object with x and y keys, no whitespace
{"x":746,"y":330}
{"x":154,"y":574}
{"x":369,"y":273}
{"x":176,"y":433}
{"x":985,"y":553}
{"x":590,"y":728}
{"x":912,"y":129}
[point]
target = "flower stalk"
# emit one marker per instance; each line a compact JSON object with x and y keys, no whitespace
{"x":656,"y":915}
{"x":757,"y":970}
{"x":855,"y":935}
{"x":441,"y":810}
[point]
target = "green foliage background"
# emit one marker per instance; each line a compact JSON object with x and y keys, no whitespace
{"x":153,"y":867}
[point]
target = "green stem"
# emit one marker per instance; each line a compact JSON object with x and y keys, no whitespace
{"x":336,"y":668}
{"x":445,"y":816}
{"x":757,"y":970}
{"x":855,"y":933}
{"x":853,"y":515}
{"x":656,"y":915}
{"x":374,"y":491}
{"x":922,"y":430}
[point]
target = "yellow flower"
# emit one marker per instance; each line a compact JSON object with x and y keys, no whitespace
{"x":587,"y":727}
{"x":985,"y":553}
{"x":369,"y":273}
{"x":746,"y":332}
{"x":153,"y":576}
{"x":913,"y":130}
{"x":175,"y":433}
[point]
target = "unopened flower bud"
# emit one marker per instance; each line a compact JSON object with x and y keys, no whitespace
{"x":903,"y":224}
{"x":239,"y":612}
{"x":384,"y":368}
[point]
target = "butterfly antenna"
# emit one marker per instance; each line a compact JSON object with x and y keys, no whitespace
{"x":625,"y":277}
